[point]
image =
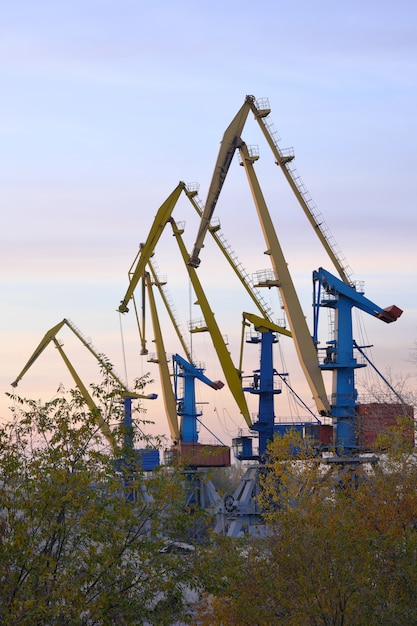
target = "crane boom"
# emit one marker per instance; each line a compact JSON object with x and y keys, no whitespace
{"x":306,"y":350}
{"x":51,"y":334}
{"x":227,"y":149}
{"x":100,"y":359}
{"x":264,"y":325}
{"x":170,"y":312}
{"x":41,"y":347}
{"x":231,"y":258}
{"x":230,"y":142}
{"x":141,"y":325}
{"x":161,"y":218}
{"x":283,"y":161}
{"x":168,"y":394}
{"x":305,"y":347}
{"x":332,"y":285}
{"x":46,"y":340}
{"x":231,"y":373}
{"x":143,"y":456}
{"x":96,"y":412}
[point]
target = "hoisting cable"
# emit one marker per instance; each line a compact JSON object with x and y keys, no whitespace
{"x":210,"y":431}
{"x":371,"y":381}
{"x":292,"y":403}
{"x":224,"y":422}
{"x":284,"y":380}
{"x":379,"y":373}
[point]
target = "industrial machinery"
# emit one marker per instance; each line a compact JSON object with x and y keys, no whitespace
{"x":160,"y":221}
{"x":265,"y":384}
{"x":240,"y":510}
{"x":146,"y":458}
{"x":341,"y":409}
{"x":306,"y":350}
{"x":232,"y":373}
{"x":283,"y":158}
{"x":264,"y":425}
{"x":163,"y":216}
{"x":305,"y":343}
{"x":331,"y":292}
{"x":179,"y":396}
{"x":187,"y":373}
{"x":180,"y":399}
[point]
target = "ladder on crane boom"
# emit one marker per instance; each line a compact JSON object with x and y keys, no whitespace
{"x":231,"y":257}
{"x":230,"y":142}
{"x":146,"y":251}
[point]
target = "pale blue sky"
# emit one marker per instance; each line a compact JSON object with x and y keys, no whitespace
{"x":105,"y":106}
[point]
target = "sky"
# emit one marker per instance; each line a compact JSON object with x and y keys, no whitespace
{"x":106,"y":106}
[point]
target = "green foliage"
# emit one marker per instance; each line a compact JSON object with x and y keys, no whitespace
{"x":340,"y":546}
{"x":84,"y":541}
{"x":80,"y":542}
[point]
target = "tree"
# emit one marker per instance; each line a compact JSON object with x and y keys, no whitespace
{"x":340,"y":544}
{"x":74,"y":548}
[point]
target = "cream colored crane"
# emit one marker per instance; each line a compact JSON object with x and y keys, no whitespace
{"x":303,"y":341}
{"x":305,"y":347}
{"x":229,"y":144}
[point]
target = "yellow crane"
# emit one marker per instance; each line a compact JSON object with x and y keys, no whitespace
{"x":159,"y":223}
{"x":232,"y":375}
{"x":121,"y":389}
{"x":230,"y":255}
{"x":146,"y":251}
{"x":163,"y":216}
{"x":232,"y":141}
{"x":165,"y":377}
{"x":303,"y":341}
{"x":186,"y":447}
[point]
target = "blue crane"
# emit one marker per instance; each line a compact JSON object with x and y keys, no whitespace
{"x":263,"y":382}
{"x":186,"y":398}
{"x":331,"y":292}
